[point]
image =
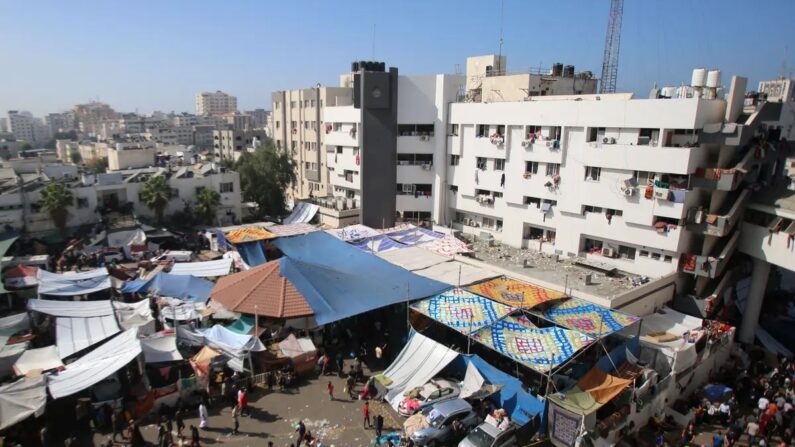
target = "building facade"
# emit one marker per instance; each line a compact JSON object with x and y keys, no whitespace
{"x":21,"y":125}
{"x":215,"y":103}
{"x":232,"y":144}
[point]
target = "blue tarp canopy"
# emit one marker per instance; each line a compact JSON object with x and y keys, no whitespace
{"x":252,"y":253}
{"x":185,"y":287}
{"x":520,"y":405}
{"x":339,"y":280}
{"x":716,"y":391}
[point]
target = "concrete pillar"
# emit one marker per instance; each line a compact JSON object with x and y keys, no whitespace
{"x":759,"y":277}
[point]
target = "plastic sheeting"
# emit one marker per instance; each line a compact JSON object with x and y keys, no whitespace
{"x":302,"y":213}
{"x":219,"y":267}
{"x":122,"y":239}
{"x":448,"y":245}
{"x":75,"y":309}
{"x":377,"y":244}
{"x":419,"y":361}
{"x":293,"y":229}
{"x":473,"y":380}
{"x":160,"y":348}
{"x":296,"y":347}
{"x":21,"y":399}
{"x":516,"y":293}
{"x":21,"y":276}
{"x":456,"y":273}
{"x":462,"y":310}
{"x":185,"y":287}
{"x":415,"y":236}
{"x":11,"y":325}
{"x":132,"y":315}
{"x":588,"y":318}
{"x":339,"y":281}
{"x":413,"y":258}
{"x":353,"y":232}
{"x":222,"y":339}
{"x":248,"y":234}
{"x":184,"y":312}
{"x":71,"y":283}
{"x":40,"y":359}
{"x":252,"y":253}
{"x":9,"y":355}
{"x":75,"y":334}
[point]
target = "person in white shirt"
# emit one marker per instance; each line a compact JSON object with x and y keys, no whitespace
{"x":763,"y":403}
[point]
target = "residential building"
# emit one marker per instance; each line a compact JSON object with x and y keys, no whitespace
{"x":203,"y":137}
{"x":231,"y":144}
{"x":215,"y":103}
{"x":60,"y":122}
{"x":90,"y":116}
{"x":259,"y":118}
{"x":63,"y":148}
{"x":4,"y":127}
{"x":21,"y":124}
{"x":131,"y":156}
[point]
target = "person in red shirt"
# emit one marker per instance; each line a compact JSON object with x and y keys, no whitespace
{"x":366,"y":414}
{"x":330,"y":389}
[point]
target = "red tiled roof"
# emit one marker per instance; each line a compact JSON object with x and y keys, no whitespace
{"x":264,"y":287}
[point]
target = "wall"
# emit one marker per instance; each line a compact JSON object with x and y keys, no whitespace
{"x":130,"y":158}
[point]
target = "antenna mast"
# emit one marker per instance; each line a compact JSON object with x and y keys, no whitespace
{"x":501,"y":69}
{"x":612,"y":42}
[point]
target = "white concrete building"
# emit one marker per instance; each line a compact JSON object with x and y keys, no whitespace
{"x":215,"y":103}
{"x":122,"y":157}
{"x":21,"y":125}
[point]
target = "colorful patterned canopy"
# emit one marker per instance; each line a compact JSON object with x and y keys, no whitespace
{"x":588,"y":318}
{"x":539,"y":348}
{"x":248,"y":234}
{"x":462,"y":310}
{"x":515,"y":293}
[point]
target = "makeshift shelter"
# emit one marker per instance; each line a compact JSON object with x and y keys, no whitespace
{"x":202,"y":360}
{"x":303,"y":212}
{"x":292,"y":229}
{"x":242,"y":325}
{"x":674,"y":334}
{"x":413,"y":258}
{"x":96,"y":365}
{"x":9,"y":354}
{"x":73,"y":283}
{"x":21,"y":276}
{"x":178,"y":310}
{"x":415,"y":236}
{"x":301,"y":351}
{"x":251,"y":253}
{"x":377,"y":244}
{"x":419,"y":361}
{"x":5,"y":244}
{"x":339,"y":281}
{"x":41,"y":359}
{"x":353,"y":232}
{"x":456,"y":273}
{"x":541,"y":349}
{"x":588,"y":318}
{"x":21,"y":399}
{"x":248,"y":234}
{"x":126,"y":238}
{"x":461,"y":310}
{"x":12,"y":324}
{"x":184,"y":287}
{"x":79,"y":324}
{"x":161,"y":347}
{"x":263,"y":291}
{"x":205,"y":269}
{"x":447,"y":245}
{"x":137,"y":314}
{"x":515,"y":293}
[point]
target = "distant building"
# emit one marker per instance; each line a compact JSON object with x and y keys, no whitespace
{"x":259,"y":118}
{"x":21,"y":125}
{"x":231,"y":144}
{"x":215,"y":103}
{"x":131,"y":156}
{"x":4,"y":125}
{"x":60,"y":122}
{"x":90,"y":116}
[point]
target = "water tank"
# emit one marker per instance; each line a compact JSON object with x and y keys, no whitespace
{"x":713,"y":79}
{"x":684,"y":92}
{"x":557,"y":69}
{"x":699,"y":76}
{"x":668,"y":92}
{"x":568,"y":71}
{"x":355,"y":66}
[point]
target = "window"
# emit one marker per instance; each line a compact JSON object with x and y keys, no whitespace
{"x":655,"y":256}
{"x":553,"y":169}
{"x":531,"y":167}
{"x":453,"y":188}
{"x":625,"y":252}
{"x":227,"y":187}
{"x":277,"y":124}
{"x":82,"y":202}
{"x":592,"y":173}
{"x":481,"y":163}
{"x":454,"y":160}
{"x":550,"y":202}
{"x":612,"y":212}
{"x":496,"y":194}
{"x":499,"y":164}
{"x":592,"y":209}
{"x":454,"y":130}
{"x":413,"y":130}
{"x":312,"y":102}
{"x":668,"y":258}
{"x":488,"y":222}
{"x":533,"y":201}
{"x":644,"y":253}
{"x":532,"y":130}
{"x":500,"y":130}
{"x":643,"y":178}
{"x":482,"y":130}
{"x":292,"y":104}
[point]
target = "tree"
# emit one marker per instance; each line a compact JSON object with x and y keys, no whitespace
{"x":74,"y":156}
{"x":55,"y":199}
{"x":155,"y":194}
{"x":25,"y":146}
{"x":97,"y":165}
{"x":207,"y":201}
{"x":264,"y":176}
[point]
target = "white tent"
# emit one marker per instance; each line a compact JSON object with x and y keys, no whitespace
{"x":451,"y":272}
{"x":419,"y":361}
{"x":222,"y":339}
{"x":75,"y":334}
{"x":413,"y":258}
{"x":160,"y":348}
{"x":137,"y":314}
{"x":673,"y":333}
{"x":96,"y":365}
{"x":125,"y":238}
{"x":187,"y":311}
{"x":71,"y":283}
{"x":219,"y":267}
{"x":473,"y":381}
{"x":21,"y":399}
{"x":79,"y":309}
{"x":302,"y":213}
{"x":353,"y":232}
{"x":9,"y":355}
{"x":41,"y":359}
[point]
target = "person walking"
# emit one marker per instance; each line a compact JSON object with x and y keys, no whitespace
{"x":330,"y":389}
{"x":366,"y":414}
{"x":180,"y":417}
{"x":301,"y":430}
{"x":242,"y":401}
{"x":235,"y":418}
{"x":349,"y":385}
{"x":202,"y":415}
{"x":194,"y":436}
{"x":378,"y":420}
{"x":752,"y":428}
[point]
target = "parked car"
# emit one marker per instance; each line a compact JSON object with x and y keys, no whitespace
{"x":440,"y":419}
{"x":436,"y":390}
{"x":174,"y":255}
{"x":487,"y":435}
{"x":112,"y":254}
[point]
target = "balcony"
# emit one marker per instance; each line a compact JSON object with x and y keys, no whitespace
{"x":415,"y":173}
{"x":341,"y":138}
{"x":722,"y":223}
{"x":711,"y":266}
{"x":488,"y":147}
{"x":668,"y":237}
{"x":422,"y":144}
{"x":406,"y":202}
{"x":674,"y":160}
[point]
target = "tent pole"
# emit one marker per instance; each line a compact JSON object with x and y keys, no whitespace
{"x":408,"y":317}
{"x":459,"y":274}
{"x":256,"y":321}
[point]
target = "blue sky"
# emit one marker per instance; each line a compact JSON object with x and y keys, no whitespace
{"x":154,"y":55}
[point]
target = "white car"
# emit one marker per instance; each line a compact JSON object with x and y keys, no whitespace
{"x":436,"y":390}
{"x":174,"y":255}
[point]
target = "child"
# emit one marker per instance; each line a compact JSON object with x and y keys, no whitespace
{"x":330,"y":389}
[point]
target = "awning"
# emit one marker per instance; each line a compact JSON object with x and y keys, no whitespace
{"x":461,"y":310}
{"x":21,"y":399}
{"x":248,"y":234}
{"x":419,"y":361}
{"x":77,"y":309}
{"x":293,"y":229}
{"x":121,"y":239}
{"x":353,"y":232}
{"x":582,"y":316}
{"x":456,"y":273}
{"x":185,"y":287}
{"x":75,"y":334}
{"x":71,"y":283}
{"x":96,"y":365}
{"x":515,"y":293}
{"x":339,"y":281}
{"x":377,"y":244}
{"x":296,"y":347}
{"x":302,"y":213}
{"x":11,"y":325}
{"x":41,"y":359}
{"x":219,"y":267}
{"x":160,"y":348}
{"x":413,"y":258}
{"x":132,"y":315}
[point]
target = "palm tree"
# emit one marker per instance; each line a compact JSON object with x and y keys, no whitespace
{"x":156,"y":194}
{"x":55,"y":199}
{"x":207,"y":201}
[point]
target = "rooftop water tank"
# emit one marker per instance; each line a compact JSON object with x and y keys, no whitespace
{"x":684,"y":91}
{"x":713,"y":79}
{"x":557,"y":69}
{"x":669,"y":92}
{"x":568,"y":71}
{"x":699,"y":76}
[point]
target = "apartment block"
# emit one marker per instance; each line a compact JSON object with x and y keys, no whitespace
{"x":232,"y":144}
{"x":215,"y":103}
{"x":90,"y":116}
{"x":21,"y":125}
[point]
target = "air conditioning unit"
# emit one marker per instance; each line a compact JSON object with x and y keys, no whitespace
{"x":423,"y":137}
{"x":526,"y":143}
{"x":661,"y":193}
{"x":608,"y":252}
{"x":629,"y":191}
{"x":427,"y":167}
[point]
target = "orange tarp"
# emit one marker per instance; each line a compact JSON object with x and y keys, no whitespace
{"x":515,"y":293}
{"x":249,"y":234}
{"x":602,"y":386}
